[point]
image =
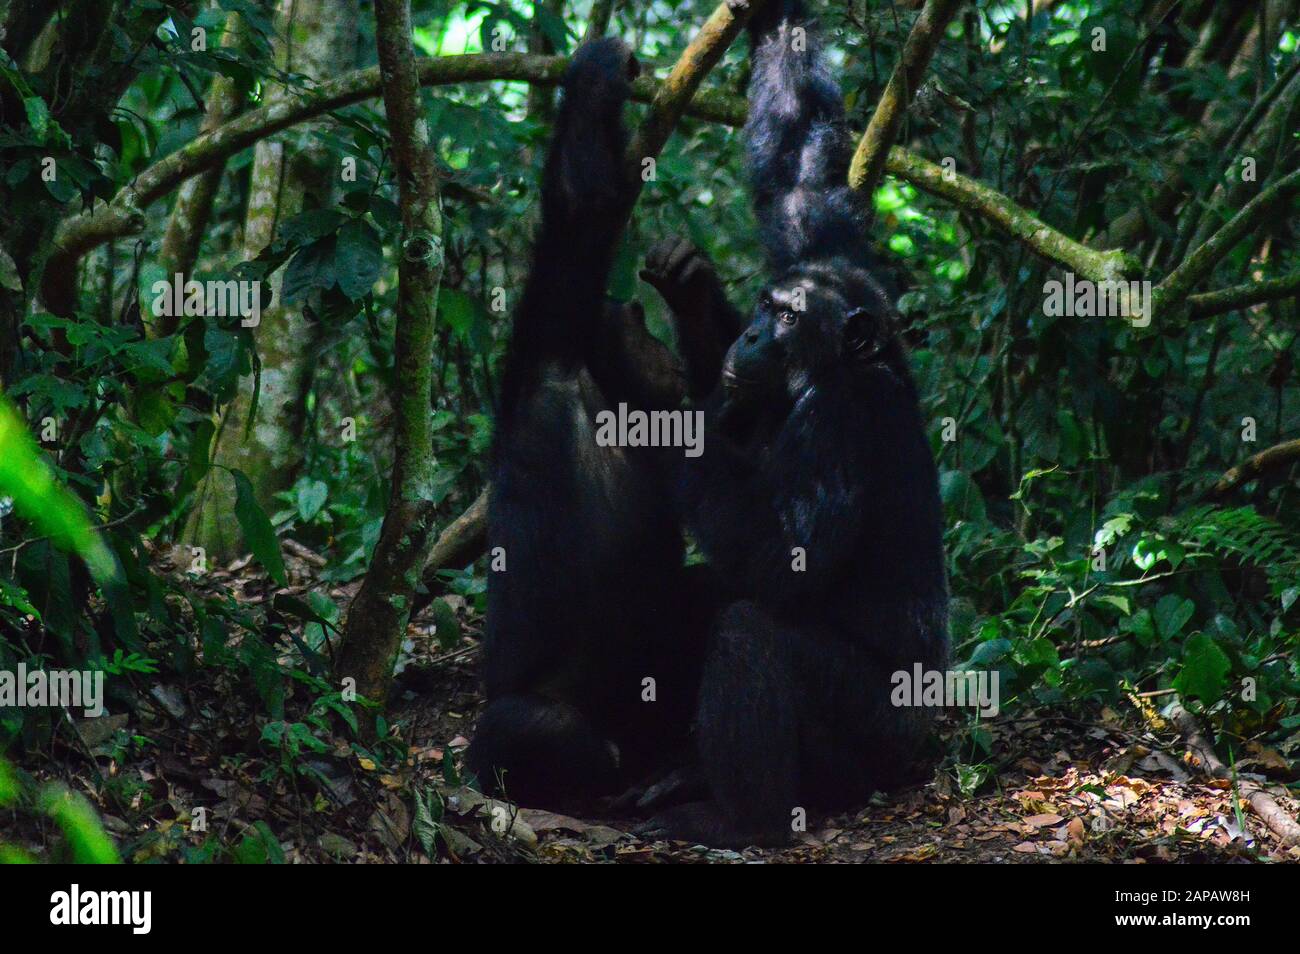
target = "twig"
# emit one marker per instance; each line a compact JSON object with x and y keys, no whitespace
{"x":1200,"y":262}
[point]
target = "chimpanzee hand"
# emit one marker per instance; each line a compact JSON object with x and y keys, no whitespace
{"x":681,"y":273}
{"x":705,"y":322}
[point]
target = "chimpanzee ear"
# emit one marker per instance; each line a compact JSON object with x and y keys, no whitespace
{"x":861,"y":335}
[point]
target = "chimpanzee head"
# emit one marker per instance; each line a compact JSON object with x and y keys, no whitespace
{"x":818,"y":319}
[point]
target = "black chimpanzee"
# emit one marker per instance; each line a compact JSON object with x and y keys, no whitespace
{"x":816,"y":496}
{"x":595,"y":635}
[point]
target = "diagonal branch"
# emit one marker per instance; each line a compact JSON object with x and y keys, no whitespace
{"x":1197,"y":266}
{"x":673,"y":95}
{"x":873,"y":150}
{"x":1279,"y":455}
{"x":1019,"y":223}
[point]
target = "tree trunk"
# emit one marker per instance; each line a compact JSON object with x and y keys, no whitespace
{"x":320,"y":41}
{"x":378,"y":616}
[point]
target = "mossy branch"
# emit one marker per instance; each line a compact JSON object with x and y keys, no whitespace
{"x":1209,"y":304}
{"x":994,"y":207}
{"x":1279,"y":455}
{"x":678,"y":89}
{"x":1198,"y":264}
{"x":124,"y":216}
{"x":882,"y":131}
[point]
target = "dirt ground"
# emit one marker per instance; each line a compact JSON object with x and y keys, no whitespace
{"x":1091,"y":787}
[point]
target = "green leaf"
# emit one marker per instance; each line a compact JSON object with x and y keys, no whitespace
{"x":51,"y":508}
{"x":38,"y":114}
{"x":311,"y":497}
{"x":258,"y":847}
{"x":89,"y":842}
{"x":962,"y":500}
{"x":1205,"y":669}
{"x":258,"y":532}
{"x":153,"y":411}
{"x":1172,"y":614}
{"x":200,"y":445}
{"x":358,"y":258}
{"x":8,"y":784}
{"x":447,"y":626}
{"x":313,"y":267}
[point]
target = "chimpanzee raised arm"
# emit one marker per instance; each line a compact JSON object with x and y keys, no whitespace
{"x":589,"y":605}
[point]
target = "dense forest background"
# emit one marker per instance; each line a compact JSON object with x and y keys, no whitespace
{"x":189,"y":503}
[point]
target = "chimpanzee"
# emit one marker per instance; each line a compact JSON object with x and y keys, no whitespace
{"x":816,"y":496}
{"x":595,"y":634}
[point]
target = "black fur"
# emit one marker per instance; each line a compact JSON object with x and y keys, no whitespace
{"x":817,"y":444}
{"x":594,"y":597}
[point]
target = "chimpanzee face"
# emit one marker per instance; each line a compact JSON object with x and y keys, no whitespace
{"x":804,"y":325}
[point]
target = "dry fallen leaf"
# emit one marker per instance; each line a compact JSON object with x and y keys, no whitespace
{"x":1074,"y":831}
{"x":1044,"y":820}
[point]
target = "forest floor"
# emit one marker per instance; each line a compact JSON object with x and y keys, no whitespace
{"x":1099,"y":786}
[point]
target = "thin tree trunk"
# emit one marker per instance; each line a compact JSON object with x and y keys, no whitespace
{"x":378,"y":616}
{"x":192,"y":210}
{"x":320,"y":40}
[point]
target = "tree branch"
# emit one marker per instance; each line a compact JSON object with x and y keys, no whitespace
{"x":1279,"y":455}
{"x":1201,"y":261}
{"x":124,"y":214}
{"x":1208,"y":761}
{"x":673,"y":95}
{"x":460,"y":543}
{"x":882,"y":130}
{"x":1209,"y":304}
{"x":994,"y":207}
{"x":598,"y":23}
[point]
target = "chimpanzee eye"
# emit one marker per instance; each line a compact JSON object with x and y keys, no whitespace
{"x":788,"y":317}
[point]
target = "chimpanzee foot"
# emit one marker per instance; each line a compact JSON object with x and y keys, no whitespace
{"x":679,"y":785}
{"x":703,"y":823}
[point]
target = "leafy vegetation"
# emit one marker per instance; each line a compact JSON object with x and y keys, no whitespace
{"x":1096,"y":560}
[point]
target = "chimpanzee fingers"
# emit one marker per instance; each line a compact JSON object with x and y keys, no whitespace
{"x":657,"y":828}
{"x":656,"y":259}
{"x":678,"y":786}
{"x":696,"y":267}
{"x":681,"y":256}
{"x":654,"y":279}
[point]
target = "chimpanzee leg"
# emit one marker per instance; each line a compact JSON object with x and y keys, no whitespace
{"x":538,"y":751}
{"x":747,"y":735}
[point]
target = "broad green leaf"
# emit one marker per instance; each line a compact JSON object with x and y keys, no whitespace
{"x":313,"y":267}
{"x":311,"y":496}
{"x":51,"y":508}
{"x":447,"y":627}
{"x":258,"y":532}
{"x":1172,"y":614}
{"x":89,"y":842}
{"x":358,"y":258}
{"x":1205,"y":669}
